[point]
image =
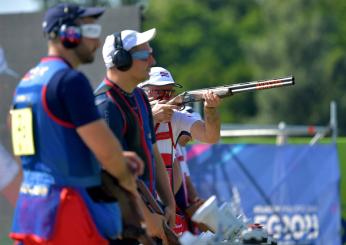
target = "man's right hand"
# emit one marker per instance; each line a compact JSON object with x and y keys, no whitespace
{"x":162,"y":112}
{"x":155,"y":227}
{"x":134,"y":162}
{"x":170,"y":216}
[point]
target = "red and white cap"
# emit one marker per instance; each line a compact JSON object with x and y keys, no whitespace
{"x":159,"y":77}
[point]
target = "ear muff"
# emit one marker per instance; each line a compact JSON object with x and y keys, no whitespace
{"x":70,"y":35}
{"x":121,"y":58}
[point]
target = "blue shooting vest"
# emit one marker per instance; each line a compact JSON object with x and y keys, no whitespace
{"x":61,"y":157}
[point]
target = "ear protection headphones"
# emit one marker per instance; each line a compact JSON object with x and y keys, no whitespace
{"x":70,"y":35}
{"x":66,"y":30}
{"x":121,"y":58}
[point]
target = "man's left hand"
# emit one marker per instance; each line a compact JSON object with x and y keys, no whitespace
{"x":170,"y":216}
{"x":211,"y":100}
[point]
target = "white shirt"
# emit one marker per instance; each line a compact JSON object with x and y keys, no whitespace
{"x":180,"y":122}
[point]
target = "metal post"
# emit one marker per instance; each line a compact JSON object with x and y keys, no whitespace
{"x":333,"y":120}
{"x":281,"y":138}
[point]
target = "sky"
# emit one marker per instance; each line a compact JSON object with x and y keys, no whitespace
{"x":17,"y":6}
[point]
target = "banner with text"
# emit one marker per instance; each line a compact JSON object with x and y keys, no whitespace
{"x":293,"y":189}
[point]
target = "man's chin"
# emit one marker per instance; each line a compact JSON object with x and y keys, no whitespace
{"x":88,"y":60}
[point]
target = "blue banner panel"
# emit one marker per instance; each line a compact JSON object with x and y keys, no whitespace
{"x":293,"y":190}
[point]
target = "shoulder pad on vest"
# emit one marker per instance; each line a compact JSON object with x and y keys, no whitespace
{"x":101,"y":98}
{"x":101,"y":89}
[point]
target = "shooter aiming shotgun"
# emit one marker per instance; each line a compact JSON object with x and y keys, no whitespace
{"x":228,"y":90}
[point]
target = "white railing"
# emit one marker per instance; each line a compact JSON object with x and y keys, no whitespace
{"x":282,"y":131}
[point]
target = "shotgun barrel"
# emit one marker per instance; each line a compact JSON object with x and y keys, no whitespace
{"x":228,"y":90}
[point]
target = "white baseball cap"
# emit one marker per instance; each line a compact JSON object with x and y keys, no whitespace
{"x":129,"y":38}
{"x":159,"y":77}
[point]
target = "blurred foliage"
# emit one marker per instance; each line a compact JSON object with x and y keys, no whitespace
{"x":299,"y":38}
{"x":200,"y":42}
{"x":214,"y":42}
{"x":207,"y":43}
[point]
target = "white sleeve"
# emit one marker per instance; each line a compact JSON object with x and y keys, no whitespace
{"x":182,"y":122}
{"x":8,"y":168}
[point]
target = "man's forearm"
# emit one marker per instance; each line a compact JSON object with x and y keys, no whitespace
{"x":212,"y":124}
{"x":191,"y":190}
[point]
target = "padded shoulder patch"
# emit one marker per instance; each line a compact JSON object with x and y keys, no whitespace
{"x":101,"y":98}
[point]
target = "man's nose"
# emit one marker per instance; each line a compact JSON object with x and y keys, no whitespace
{"x":152,"y":60}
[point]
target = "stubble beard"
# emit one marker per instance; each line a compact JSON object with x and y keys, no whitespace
{"x":85,"y":55}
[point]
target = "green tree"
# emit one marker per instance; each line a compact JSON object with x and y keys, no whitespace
{"x":201,"y":43}
{"x":214,"y":42}
{"x":301,"y":38}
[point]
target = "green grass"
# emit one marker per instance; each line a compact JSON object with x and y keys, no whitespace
{"x":342,"y":159}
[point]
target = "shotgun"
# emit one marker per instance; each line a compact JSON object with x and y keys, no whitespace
{"x":228,"y":90}
{"x":133,"y":219}
{"x":151,"y":203}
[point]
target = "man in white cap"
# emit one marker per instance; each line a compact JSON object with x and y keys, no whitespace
{"x":169,"y":123}
{"x":128,"y":58}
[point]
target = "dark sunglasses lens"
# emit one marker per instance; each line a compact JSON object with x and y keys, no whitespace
{"x":141,"y":55}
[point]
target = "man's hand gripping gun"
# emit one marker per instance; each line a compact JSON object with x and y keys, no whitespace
{"x":155,"y":208}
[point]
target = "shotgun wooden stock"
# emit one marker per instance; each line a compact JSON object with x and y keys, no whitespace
{"x":133,"y":220}
{"x":154,"y":207}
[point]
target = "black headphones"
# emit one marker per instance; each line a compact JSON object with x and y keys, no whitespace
{"x":121,"y":58}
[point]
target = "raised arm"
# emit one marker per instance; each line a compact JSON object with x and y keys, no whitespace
{"x":208,"y":131}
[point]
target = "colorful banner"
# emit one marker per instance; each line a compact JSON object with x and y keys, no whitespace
{"x":293,"y":189}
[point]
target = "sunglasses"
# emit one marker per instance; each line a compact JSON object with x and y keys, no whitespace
{"x":141,"y":54}
{"x":162,"y":93}
{"x":91,"y":30}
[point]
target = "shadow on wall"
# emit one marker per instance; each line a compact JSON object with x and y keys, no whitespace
{"x":6,"y":212}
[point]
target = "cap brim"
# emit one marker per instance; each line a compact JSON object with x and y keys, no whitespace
{"x":145,"y":84}
{"x":146,"y":36}
{"x":92,"y":12}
